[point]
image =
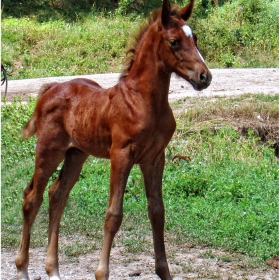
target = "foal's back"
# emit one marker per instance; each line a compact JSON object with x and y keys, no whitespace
{"x":81,"y":114}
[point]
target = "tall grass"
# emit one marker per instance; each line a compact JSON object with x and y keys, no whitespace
{"x":236,"y":34}
{"x":223,"y":193}
{"x":32,"y":49}
{"x":241,"y":33}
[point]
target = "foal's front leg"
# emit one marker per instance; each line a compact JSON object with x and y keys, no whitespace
{"x":153,"y":185}
{"x":120,"y":168}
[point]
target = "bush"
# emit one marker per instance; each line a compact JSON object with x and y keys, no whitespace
{"x":231,"y":34}
{"x":235,"y":33}
{"x":69,"y":10}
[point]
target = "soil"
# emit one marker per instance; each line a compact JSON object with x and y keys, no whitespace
{"x":185,"y":261}
{"x":224,"y":82}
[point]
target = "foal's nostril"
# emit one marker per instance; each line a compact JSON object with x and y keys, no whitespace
{"x":203,"y":77}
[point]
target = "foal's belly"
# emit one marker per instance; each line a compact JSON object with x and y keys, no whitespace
{"x":94,"y":143}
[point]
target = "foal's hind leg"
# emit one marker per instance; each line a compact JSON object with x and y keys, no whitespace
{"x":58,"y":194}
{"x":46,"y":163}
{"x":153,"y":185}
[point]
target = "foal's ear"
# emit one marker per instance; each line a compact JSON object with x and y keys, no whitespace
{"x":166,"y":9}
{"x":186,"y":12}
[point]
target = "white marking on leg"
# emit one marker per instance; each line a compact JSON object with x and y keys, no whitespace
{"x":187,"y":30}
{"x":55,"y":277}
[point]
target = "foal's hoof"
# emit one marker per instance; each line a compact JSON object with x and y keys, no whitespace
{"x":22,"y":275}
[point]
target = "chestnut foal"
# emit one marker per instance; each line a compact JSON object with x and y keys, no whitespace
{"x":130,"y":123}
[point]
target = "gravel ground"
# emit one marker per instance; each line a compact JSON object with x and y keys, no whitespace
{"x":225,"y":82}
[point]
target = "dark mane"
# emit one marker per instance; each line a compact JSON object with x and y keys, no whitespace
{"x":137,"y":39}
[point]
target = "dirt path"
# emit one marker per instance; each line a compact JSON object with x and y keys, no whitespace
{"x":186,"y":262}
{"x":225,"y":82}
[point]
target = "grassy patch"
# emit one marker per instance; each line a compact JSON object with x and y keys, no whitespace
{"x":230,"y":34}
{"x":222,"y":192}
{"x":228,"y":197}
{"x":95,"y":45}
{"x":246,"y":106}
{"x":71,"y":43}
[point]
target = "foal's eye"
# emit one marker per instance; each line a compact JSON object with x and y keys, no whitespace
{"x":173,"y":43}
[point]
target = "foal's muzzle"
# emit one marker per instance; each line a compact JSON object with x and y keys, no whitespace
{"x":201,"y":80}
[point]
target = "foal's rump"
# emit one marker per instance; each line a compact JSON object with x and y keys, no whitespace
{"x":72,"y":114}
{"x":30,"y":127}
{"x":53,"y":90}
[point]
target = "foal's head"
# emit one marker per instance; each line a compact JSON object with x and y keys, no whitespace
{"x":174,"y":44}
{"x":178,"y":50}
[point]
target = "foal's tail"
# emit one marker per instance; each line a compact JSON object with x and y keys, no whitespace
{"x":30,"y":127}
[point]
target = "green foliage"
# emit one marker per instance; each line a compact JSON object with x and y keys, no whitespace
{"x":16,"y":159}
{"x":31,"y":49}
{"x":143,"y":7}
{"x":13,"y":118}
{"x":42,"y":10}
{"x":52,"y":38}
{"x":240,"y":33}
{"x":227,"y":191}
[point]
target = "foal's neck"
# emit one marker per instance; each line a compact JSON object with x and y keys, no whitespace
{"x":148,"y":75}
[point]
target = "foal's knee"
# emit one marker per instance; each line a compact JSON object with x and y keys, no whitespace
{"x":113,"y":220}
{"x":31,"y":204}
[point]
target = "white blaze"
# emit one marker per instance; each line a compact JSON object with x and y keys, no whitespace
{"x":200,"y":55}
{"x":187,"y":30}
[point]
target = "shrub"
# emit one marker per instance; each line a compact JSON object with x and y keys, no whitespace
{"x":239,"y":33}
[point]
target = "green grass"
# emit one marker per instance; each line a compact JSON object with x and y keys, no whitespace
{"x":31,"y":49}
{"x":95,"y":41}
{"x":228,"y":195}
{"x":224,"y":195}
{"x":241,"y":33}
